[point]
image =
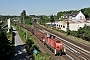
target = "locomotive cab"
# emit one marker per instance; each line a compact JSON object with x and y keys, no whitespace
{"x":48,"y":35}
{"x":59,"y":50}
{"x":59,"y":45}
{"x":56,"y":46}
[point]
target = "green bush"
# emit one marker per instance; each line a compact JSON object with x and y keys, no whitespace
{"x":74,"y":33}
{"x":5,"y":45}
{"x":41,"y":56}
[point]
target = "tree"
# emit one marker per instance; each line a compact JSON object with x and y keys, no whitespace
{"x":4,"y":44}
{"x":23,"y":16}
{"x":86,"y":12}
{"x":30,"y":18}
{"x":59,"y":14}
{"x":41,"y":17}
{"x":41,"y":20}
{"x":52,"y":19}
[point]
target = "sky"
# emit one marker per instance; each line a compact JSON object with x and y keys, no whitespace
{"x":40,"y":7}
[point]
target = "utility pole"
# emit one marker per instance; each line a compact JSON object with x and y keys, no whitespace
{"x":26,"y":34}
{"x":23,"y":18}
{"x":68,"y":31}
{"x":0,"y":16}
{"x":0,"y":19}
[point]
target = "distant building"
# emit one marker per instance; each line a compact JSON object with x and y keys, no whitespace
{"x":35,"y":19}
{"x":51,"y":24}
{"x":74,"y":16}
{"x":16,"y":19}
{"x":73,"y":26}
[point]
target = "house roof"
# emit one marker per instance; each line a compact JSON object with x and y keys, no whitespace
{"x":66,"y":14}
{"x":73,"y":14}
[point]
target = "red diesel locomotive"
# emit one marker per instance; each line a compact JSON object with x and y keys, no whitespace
{"x":55,"y":45}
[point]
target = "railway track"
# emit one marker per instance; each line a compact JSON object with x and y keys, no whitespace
{"x":79,"y":50}
{"x":74,"y":51}
{"x":44,"y":48}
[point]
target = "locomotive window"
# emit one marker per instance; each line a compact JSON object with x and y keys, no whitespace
{"x":53,"y":36}
{"x":58,"y":41}
{"x":57,"y":24}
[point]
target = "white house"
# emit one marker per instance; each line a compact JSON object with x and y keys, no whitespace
{"x":73,"y":26}
{"x":74,"y":16}
{"x":78,"y":16}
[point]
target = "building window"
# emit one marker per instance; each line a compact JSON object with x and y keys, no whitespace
{"x":80,"y":17}
{"x":59,"y":25}
{"x":63,"y":26}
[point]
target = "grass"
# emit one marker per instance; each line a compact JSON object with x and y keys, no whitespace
{"x":21,"y":33}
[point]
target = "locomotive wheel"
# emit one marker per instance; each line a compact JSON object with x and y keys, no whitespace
{"x":44,"y":43}
{"x":52,"y":50}
{"x":55,"y":54}
{"x":60,"y":53}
